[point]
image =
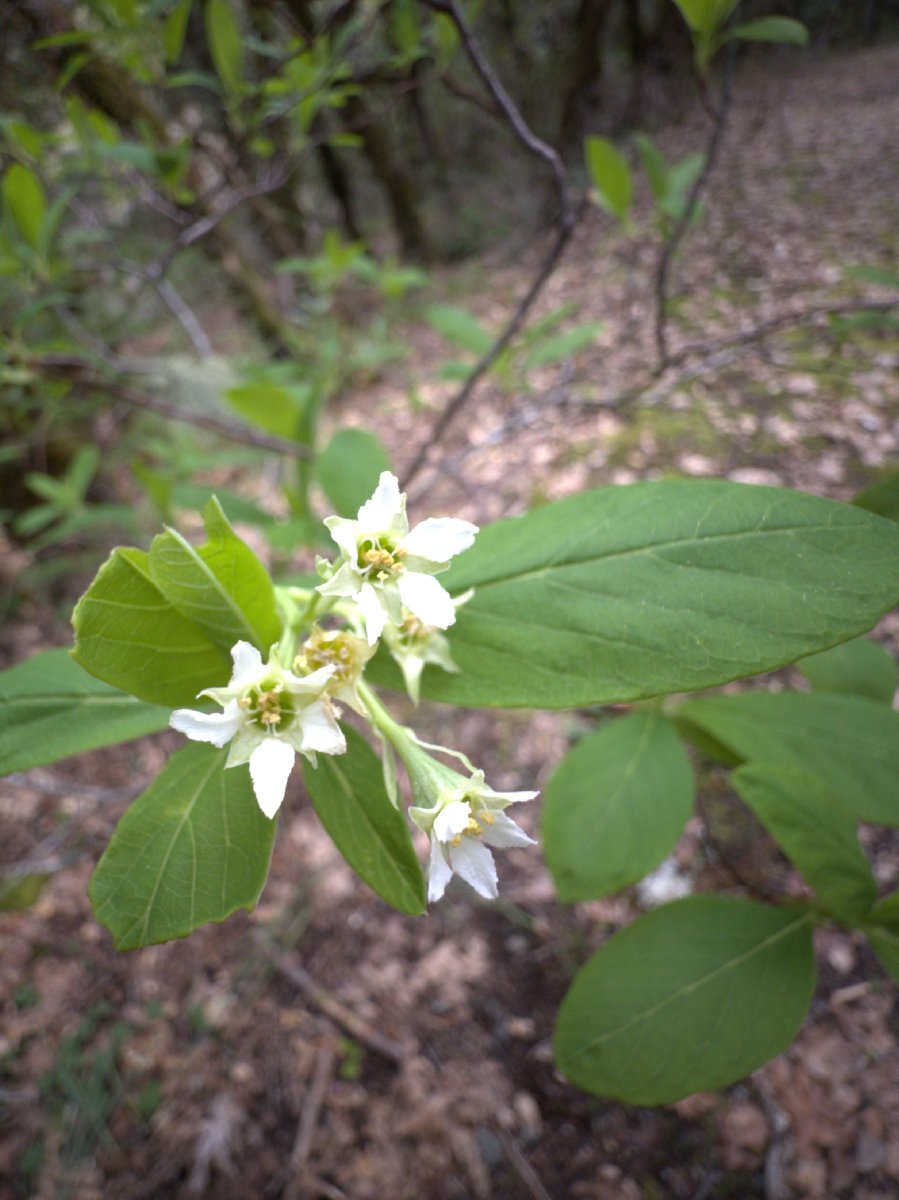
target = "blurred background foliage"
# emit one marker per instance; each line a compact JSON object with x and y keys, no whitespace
{"x":215,"y":210}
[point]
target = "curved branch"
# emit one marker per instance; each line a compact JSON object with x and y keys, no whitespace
{"x":517,"y":123}
{"x":682,"y":224}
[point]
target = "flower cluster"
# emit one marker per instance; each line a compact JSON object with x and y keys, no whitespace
{"x":382,"y":585}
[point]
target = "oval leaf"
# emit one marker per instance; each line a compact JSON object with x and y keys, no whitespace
{"x":195,"y":847}
{"x":882,"y":930}
{"x":460,"y":328}
{"x":692,"y":996}
{"x":51,"y":708}
{"x":131,"y":636}
{"x":221,"y":587}
{"x":628,"y":592}
{"x":23,"y":195}
{"x":225,"y":45}
{"x":770,"y":29}
{"x":881,"y":497}
{"x":808,"y":821}
{"x":860,"y":668}
{"x":610,"y":175}
{"x":372,"y":835}
{"x":349,"y":467}
{"x":850,"y":742}
{"x":615,"y":806}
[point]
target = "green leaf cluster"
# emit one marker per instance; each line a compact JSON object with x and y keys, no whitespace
{"x":160,"y":625}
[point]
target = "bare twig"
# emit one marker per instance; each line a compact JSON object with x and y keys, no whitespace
{"x":517,"y":123}
{"x":226,"y":429}
{"x":568,"y":217}
{"x":315,"y":1098}
{"x":182,"y":311}
{"x":682,"y":224}
{"x":779,"y":324}
{"x":328,"y":1003}
{"x":511,"y":328}
{"x":82,"y":374}
{"x":523,"y":1168}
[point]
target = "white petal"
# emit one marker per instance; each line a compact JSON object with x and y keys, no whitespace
{"x":217,"y":728}
{"x":270,"y":764}
{"x":438,"y":539}
{"x":503,"y":832}
{"x":451,"y":820}
{"x":427,"y":599}
{"x":490,"y":797}
{"x":346,"y":534}
{"x":473,"y":862}
{"x":247,"y":664}
{"x":385,"y":512}
{"x":439,"y":871}
{"x":308,"y":685}
{"x":372,"y":613}
{"x":318,"y":730}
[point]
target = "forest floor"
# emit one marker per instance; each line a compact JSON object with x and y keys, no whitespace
{"x":325,"y":1046}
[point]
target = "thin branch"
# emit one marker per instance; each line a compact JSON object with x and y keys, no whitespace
{"x":328,"y":1003}
{"x":790,"y":320}
{"x":186,"y":317}
{"x":302,"y":1146}
{"x":226,"y":429}
{"x":513,"y":325}
{"x":519,"y":126}
{"x":567,"y":219}
{"x":682,"y":224}
{"x":81,"y":374}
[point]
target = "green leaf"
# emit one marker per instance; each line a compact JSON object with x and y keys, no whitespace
{"x":50,"y":708}
{"x":130,"y":635}
{"x":680,"y":180}
{"x":277,"y":410}
{"x":349,"y":467}
{"x":705,"y":16}
{"x":655,"y":167}
{"x":221,"y":587}
{"x":690,"y":997}
{"x":882,"y":931}
{"x":770,"y":29}
{"x":372,"y":835}
{"x":860,"y":667}
{"x":885,"y":944}
{"x":20,"y":892}
{"x":611,"y":176}
{"x":174,"y":29}
{"x":627,"y":592}
{"x":195,"y":847}
{"x":26,"y":203}
{"x":615,"y":806}
{"x":881,"y":497}
{"x":564,"y":345}
{"x":225,"y":44}
{"x":806,"y":818}
{"x":459,"y":328}
{"x":849,"y":741}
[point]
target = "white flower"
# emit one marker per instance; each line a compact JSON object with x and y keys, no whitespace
{"x":344,"y":653}
{"x":269,"y":716}
{"x":413,"y":646}
{"x":385,"y":566}
{"x":465,"y":820}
